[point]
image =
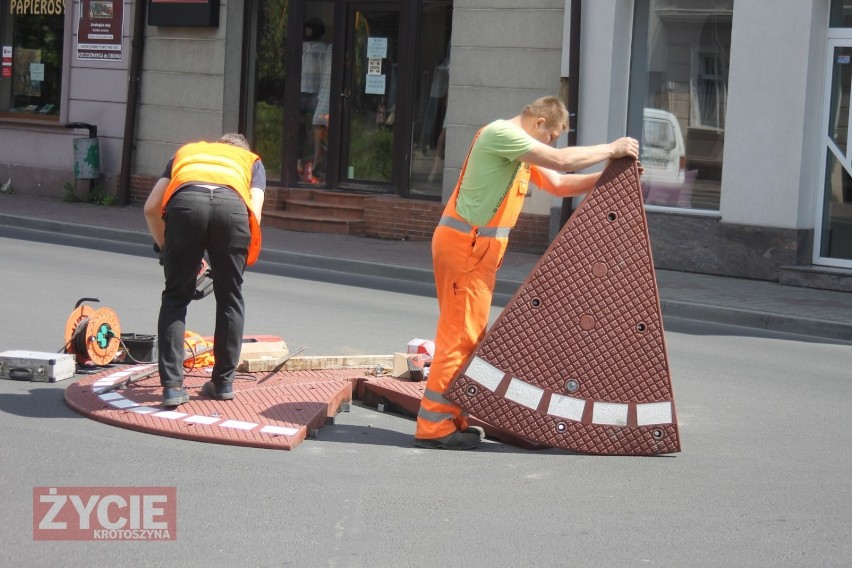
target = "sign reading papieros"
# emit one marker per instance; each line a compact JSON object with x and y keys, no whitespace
{"x":104,"y":513}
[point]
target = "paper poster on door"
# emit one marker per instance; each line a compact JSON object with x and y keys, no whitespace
{"x":374,"y":67}
{"x":36,"y":71}
{"x":22,"y":84}
{"x":6,"y":62}
{"x":375,"y":85}
{"x":377,"y":47}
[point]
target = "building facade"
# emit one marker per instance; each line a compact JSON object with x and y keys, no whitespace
{"x":741,"y":107}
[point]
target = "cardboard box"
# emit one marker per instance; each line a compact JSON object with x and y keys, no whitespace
{"x":261,"y":353}
{"x":409,"y":366}
{"x":422,"y":346}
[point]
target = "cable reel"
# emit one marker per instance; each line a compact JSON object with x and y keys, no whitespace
{"x":93,"y":336}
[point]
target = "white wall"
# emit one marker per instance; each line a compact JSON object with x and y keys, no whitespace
{"x":97,"y":93}
{"x":774,"y":110}
{"x":184,"y":94}
{"x":505,"y":54}
{"x":604,"y":70}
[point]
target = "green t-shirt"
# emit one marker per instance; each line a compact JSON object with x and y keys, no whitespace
{"x":491,"y":169}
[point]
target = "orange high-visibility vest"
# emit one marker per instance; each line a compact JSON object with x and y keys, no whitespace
{"x":506,"y":215}
{"x":217,"y":164}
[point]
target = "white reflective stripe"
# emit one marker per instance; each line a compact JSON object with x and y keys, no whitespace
{"x":566,"y":407}
{"x":279,"y":430}
{"x":110,"y":396}
{"x":464,"y":227}
{"x":456,"y":224}
{"x":493,"y":231}
{"x":436,"y":397}
{"x":202,"y":419}
{"x":484,"y":373}
{"x":524,"y":393}
{"x":123,"y":403}
{"x":654,"y":413}
{"x":611,"y":413}
{"x":170,"y":414}
{"x":430,"y":416}
{"x":238,"y":424}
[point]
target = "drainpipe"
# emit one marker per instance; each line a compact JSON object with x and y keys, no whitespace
{"x":138,"y":44}
{"x":570,"y":88}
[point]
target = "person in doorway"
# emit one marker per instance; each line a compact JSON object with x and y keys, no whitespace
{"x":314,"y":54}
{"x":470,"y":240}
{"x":321,"y":118}
{"x":440,"y":87}
{"x":209,"y":198}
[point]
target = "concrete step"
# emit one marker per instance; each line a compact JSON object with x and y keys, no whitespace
{"x":299,"y":193}
{"x":338,"y":198}
{"x":823,"y":277}
{"x":320,"y":209}
{"x":313,"y":223}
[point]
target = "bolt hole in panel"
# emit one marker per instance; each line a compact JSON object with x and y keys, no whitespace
{"x":579,"y":351}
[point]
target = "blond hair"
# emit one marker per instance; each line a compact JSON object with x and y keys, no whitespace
{"x":551,"y":109}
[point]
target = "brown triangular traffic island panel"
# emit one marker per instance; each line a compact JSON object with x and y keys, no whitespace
{"x":577,"y":360}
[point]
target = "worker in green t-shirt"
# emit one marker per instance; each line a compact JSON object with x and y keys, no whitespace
{"x":471,"y":239}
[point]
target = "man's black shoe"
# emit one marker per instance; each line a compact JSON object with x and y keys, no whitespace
{"x":219,"y":392}
{"x":173,"y":396}
{"x":455,"y":441}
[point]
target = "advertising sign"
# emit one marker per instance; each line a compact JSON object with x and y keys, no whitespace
{"x":100,"y":30}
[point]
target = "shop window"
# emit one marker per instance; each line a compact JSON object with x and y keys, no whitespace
{"x":678,"y":99}
{"x":710,"y":94}
{"x":32,"y":39}
{"x":841,"y":14}
{"x":430,"y":98}
{"x":266,"y":81}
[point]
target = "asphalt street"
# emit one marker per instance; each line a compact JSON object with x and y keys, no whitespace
{"x":762,"y":480}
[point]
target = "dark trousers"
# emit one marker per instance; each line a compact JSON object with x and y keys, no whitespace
{"x":199,"y":219}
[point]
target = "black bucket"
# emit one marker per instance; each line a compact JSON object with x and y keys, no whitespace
{"x":140,"y":348}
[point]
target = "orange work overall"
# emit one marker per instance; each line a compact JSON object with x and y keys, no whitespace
{"x":465,"y":260}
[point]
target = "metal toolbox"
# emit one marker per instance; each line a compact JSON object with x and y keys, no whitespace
{"x":37,"y":366}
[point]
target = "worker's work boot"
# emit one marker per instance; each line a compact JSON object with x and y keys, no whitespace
{"x":173,"y":396}
{"x":478,"y":430}
{"x":219,"y":392}
{"x":455,"y":441}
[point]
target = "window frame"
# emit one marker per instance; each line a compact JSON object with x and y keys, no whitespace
{"x":68,"y":33}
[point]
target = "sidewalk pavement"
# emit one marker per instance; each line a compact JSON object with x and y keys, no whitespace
{"x":748,"y":303}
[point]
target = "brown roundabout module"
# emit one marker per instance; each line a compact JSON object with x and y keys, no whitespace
{"x":577,"y":360}
{"x":271,"y":410}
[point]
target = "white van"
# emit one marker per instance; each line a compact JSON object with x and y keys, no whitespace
{"x":663,"y":153}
